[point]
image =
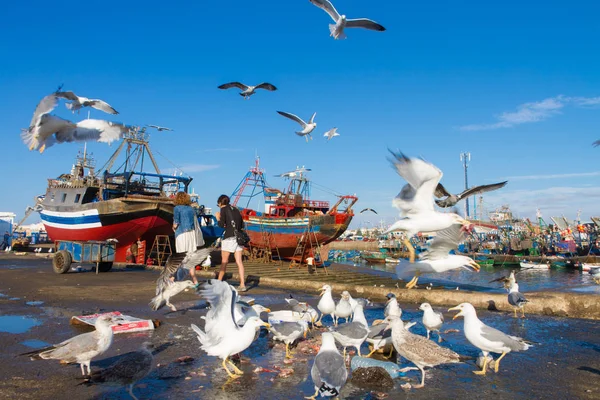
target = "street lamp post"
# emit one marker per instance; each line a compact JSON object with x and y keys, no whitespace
{"x":465,"y":158}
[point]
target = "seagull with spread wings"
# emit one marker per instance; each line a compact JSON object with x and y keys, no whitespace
{"x":307,"y":128}
{"x":50,"y":129}
{"x":452,"y":199}
{"x":368,"y":209}
{"x":77,"y":102}
{"x":415,"y":200}
{"x":160,"y":128}
{"x":436,"y":258}
{"x":247,"y":91}
{"x":341,"y":22}
{"x":222,"y":337}
{"x":331,"y":134}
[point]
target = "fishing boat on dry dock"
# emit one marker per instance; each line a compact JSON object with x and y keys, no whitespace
{"x":126,"y":204}
{"x":292,"y":225}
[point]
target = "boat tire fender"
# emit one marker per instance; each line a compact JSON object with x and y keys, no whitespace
{"x":61,"y":262}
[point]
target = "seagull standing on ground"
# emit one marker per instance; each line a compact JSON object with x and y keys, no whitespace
{"x":420,"y":351}
{"x":331,"y":134}
{"x":341,"y":22}
{"x":326,"y":305}
{"x":516,"y":299}
{"x":81,"y":348}
{"x":352,"y":334}
{"x":343,"y":309}
{"x":452,"y":199}
{"x":307,"y":128}
{"x":328,"y":371}
{"x":392,"y":308}
{"x":127,"y":370}
{"x":432,"y":320}
{"x":415,"y":200}
{"x":288,"y":332}
{"x":486,"y":338}
{"x":437,"y":257}
{"x":221,"y":336}
{"x":247,"y":91}
{"x":77,"y":102}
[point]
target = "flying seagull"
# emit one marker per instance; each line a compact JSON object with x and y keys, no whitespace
{"x":337,"y":29}
{"x":596,"y":143}
{"x":77,"y":102}
{"x":368,"y":209}
{"x":331,"y":133}
{"x":171,"y":280}
{"x":81,"y":348}
{"x":307,"y":128}
{"x":452,"y":199}
{"x":127,"y":370}
{"x":415,"y":200}
{"x":160,"y":128}
{"x":246,"y":90}
{"x":50,"y":129}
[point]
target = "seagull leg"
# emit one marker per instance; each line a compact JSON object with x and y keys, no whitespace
{"x":411,"y":250}
{"x":439,"y":337}
{"x":358,"y":350}
{"x":130,"y":390}
{"x":344,"y":353}
{"x":515,"y":310}
{"x":420,"y":385}
{"x":287,"y":351}
{"x":372,"y":351}
{"x":227,"y":369}
{"x":522,"y":312}
{"x":82,"y":366}
{"x":413,"y":282}
{"x":314,"y":396}
{"x":391,"y":353}
{"x":484,"y":368}
{"x":42,"y":148}
{"x":497,"y":366}
{"x":427,"y":329}
{"x":171,"y":306}
{"x":236,"y":369}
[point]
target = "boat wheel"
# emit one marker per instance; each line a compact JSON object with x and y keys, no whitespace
{"x":61,"y":262}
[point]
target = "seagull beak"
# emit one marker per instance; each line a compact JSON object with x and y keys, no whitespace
{"x":305,"y":332}
{"x":266,"y":325}
{"x":267,"y":310}
{"x":474,"y":265}
{"x":457,"y":308}
{"x":322,"y":293}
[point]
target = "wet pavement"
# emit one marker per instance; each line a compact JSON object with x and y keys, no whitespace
{"x":564,"y":362}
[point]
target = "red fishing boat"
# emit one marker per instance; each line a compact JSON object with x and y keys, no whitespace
{"x":291,"y":225}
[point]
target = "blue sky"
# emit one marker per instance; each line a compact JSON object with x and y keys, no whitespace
{"x":515,"y":83}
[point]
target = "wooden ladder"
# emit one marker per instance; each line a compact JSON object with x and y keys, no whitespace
{"x":162,"y":248}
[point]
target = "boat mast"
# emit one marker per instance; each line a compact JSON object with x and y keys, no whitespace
{"x":255,"y":177}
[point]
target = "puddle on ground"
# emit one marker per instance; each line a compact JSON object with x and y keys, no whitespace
{"x":35,"y":343}
{"x":17,"y":323}
{"x":35,"y":303}
{"x":15,"y":298}
{"x":3,"y":295}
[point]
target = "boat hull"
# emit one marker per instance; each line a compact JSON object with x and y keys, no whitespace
{"x":282,"y":234}
{"x":122,"y":219}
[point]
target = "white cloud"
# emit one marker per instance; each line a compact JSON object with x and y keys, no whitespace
{"x":533,"y":112}
{"x":552,"y":176}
